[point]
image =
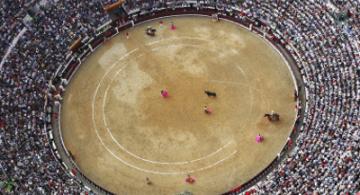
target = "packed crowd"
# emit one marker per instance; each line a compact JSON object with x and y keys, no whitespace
{"x":326,"y":157}
{"x":27,"y":161}
{"x":153,"y":5}
{"x":11,"y":15}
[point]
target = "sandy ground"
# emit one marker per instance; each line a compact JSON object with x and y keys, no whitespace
{"x":121,"y":131}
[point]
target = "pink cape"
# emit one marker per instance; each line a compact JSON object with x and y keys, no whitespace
{"x":165,"y":94}
{"x":259,"y":138}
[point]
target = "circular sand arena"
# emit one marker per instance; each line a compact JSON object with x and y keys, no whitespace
{"x":121,"y":131}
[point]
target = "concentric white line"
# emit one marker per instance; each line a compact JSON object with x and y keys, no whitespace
{"x":129,"y":164}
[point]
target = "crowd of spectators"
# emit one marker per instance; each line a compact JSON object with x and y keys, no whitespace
{"x":11,"y":15}
{"x":27,"y":161}
{"x":326,"y":156}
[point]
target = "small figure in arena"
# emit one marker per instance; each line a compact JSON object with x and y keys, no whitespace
{"x":150,"y":31}
{"x":148,"y":181}
{"x":295,"y":95}
{"x":164,"y":93}
{"x":215,"y":17}
{"x":127,"y":35}
{"x":207,"y":110}
{"x":273,"y":116}
{"x":173,"y":27}
{"x":259,"y":138}
{"x":210,"y":93}
{"x":189,"y":179}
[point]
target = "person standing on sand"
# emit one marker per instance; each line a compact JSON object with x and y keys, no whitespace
{"x":164,"y":93}
{"x":259,"y":138}
{"x":172,"y":27}
{"x":148,"y":181}
{"x":207,"y":110}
